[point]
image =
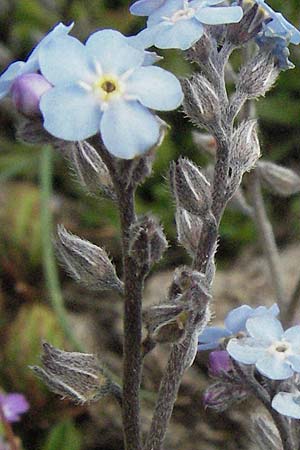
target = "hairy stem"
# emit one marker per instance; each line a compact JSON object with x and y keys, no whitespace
{"x":266,"y":236}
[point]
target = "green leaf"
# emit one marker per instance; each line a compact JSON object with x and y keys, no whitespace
{"x":63,"y":436}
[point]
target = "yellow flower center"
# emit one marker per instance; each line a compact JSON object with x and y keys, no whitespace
{"x":108,"y":87}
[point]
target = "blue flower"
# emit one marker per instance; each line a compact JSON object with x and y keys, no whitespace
{"x":145,"y":7}
{"x":31,"y":65}
{"x":276,"y":36}
{"x":103,"y":86}
{"x":235,"y":322}
{"x":179,"y":23}
{"x":287,"y":404}
{"x":275,"y":353}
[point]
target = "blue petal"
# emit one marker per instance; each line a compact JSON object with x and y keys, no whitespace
{"x":110,"y":49}
{"x":210,"y":346}
{"x":144,"y":39}
{"x":59,"y":30}
{"x":292,"y":335}
{"x":70,"y":113}
{"x":235,"y":320}
{"x":213,"y":334}
{"x":265,"y":328}
{"x":155,"y":88}
{"x":9,"y":76}
{"x":168,"y":8}
{"x":294,"y":360}
{"x":182,"y":34}
{"x":145,"y":7}
{"x":287,"y":404}
{"x":129,"y":129}
{"x":64,"y":60}
{"x":246,"y":350}
{"x":274,"y":368}
{"x":216,"y":16}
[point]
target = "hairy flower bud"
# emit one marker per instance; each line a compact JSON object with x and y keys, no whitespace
{"x":189,"y":229}
{"x":219,"y":362}
{"x":201,"y":103}
{"x":190,"y":188}
{"x":220,"y":395}
{"x":250,"y":25}
{"x":31,"y":131}
{"x":201,"y":50}
{"x":257,"y":77}
{"x":244,"y":152}
{"x":278,"y":179}
{"x":147,"y":241}
{"x":166,"y":322}
{"x":76,"y":376}
{"x":91,"y":171}
{"x":264,"y":433}
{"x":86,"y":263}
{"x":26,"y":93}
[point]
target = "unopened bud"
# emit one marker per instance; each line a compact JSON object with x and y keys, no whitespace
{"x":250,"y":25}
{"x":90,"y":169}
{"x":76,"y":376}
{"x":219,"y":363}
{"x":220,"y":396}
{"x":166,"y":322}
{"x":188,"y":230}
{"x":26,"y":93}
{"x":190,"y":188}
{"x":278,"y":179}
{"x":244,"y":152}
{"x":201,"y":50}
{"x":257,"y":77}
{"x":147,"y":241}
{"x":31,"y":131}
{"x":201,"y":103}
{"x":86,"y":263}
{"x":143,"y":166}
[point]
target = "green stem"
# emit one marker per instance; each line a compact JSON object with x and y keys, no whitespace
{"x":49,"y":263}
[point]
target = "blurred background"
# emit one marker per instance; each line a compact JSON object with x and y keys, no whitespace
{"x":31,"y":290}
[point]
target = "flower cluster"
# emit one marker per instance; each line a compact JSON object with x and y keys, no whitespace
{"x":255,"y":337}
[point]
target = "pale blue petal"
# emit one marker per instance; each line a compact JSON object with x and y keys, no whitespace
{"x":145,"y":7}
{"x":292,"y":335}
{"x":64,"y":60}
{"x":287,"y":404}
{"x":155,"y":88}
{"x":235,"y":320}
{"x":274,"y":310}
{"x":129,"y":129}
{"x":219,"y":15}
{"x":70,"y":113}
{"x":168,"y":8}
{"x":144,"y":39}
{"x":294,"y":360}
{"x":274,"y":368}
{"x":246,"y":350}
{"x":109,"y":48}
{"x":151,"y":58}
{"x":59,"y":30}
{"x":9,"y":76}
{"x":265,"y":328}
{"x":182,"y":34}
{"x":210,"y":346}
{"x":213,"y":334}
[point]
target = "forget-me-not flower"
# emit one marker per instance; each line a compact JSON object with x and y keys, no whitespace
{"x":180,"y":23}
{"x":234,"y":322}
{"x":103,"y":86}
{"x":145,"y":7}
{"x":31,"y":65}
{"x":275,"y":352}
{"x":287,"y":404}
{"x":13,"y":405}
{"x":276,"y":36}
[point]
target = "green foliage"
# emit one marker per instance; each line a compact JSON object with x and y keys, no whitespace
{"x":63,"y":436}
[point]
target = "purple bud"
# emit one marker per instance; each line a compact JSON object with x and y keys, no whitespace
{"x":219,"y":361}
{"x":26,"y":93}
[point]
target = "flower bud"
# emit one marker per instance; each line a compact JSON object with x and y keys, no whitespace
{"x":26,"y":93}
{"x":76,"y":376}
{"x":201,"y":103}
{"x":220,"y":396}
{"x":219,"y":362}
{"x":165,"y":322}
{"x":147,"y":241}
{"x":250,"y":25}
{"x":244,"y":152}
{"x":264,"y":433}
{"x":257,"y":77}
{"x":90,"y":169}
{"x":188,"y":230}
{"x":190,"y":188}
{"x":278,"y":179}
{"x":86,"y":263}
